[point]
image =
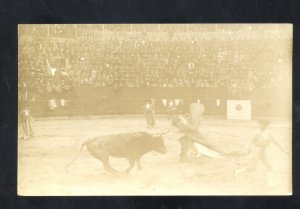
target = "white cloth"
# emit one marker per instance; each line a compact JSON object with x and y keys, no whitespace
{"x":208,"y":152}
{"x":52,"y":104}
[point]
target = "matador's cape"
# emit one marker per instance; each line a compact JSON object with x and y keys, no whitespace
{"x":202,"y":144}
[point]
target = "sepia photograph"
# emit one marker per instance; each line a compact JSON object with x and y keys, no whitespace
{"x":154,"y":109}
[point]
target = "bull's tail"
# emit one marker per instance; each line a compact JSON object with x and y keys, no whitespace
{"x":76,"y":157}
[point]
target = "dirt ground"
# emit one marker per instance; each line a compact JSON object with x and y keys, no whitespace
{"x":42,"y":160}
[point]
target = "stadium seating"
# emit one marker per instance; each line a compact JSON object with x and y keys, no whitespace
{"x":54,"y":60}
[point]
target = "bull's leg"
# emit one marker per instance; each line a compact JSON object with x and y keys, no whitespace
{"x":108,"y":167}
{"x":131,"y":164}
{"x":103,"y":156}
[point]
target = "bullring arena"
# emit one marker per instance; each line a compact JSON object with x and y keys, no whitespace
{"x":42,"y":160}
{"x":78,"y":82}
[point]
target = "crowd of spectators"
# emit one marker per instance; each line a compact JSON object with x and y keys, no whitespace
{"x":48,"y":64}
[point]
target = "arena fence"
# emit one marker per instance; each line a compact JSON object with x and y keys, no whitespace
{"x":62,"y":107}
{"x":98,"y":101}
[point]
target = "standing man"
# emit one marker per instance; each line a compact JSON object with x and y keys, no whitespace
{"x":149,"y":114}
{"x":25,"y":118}
{"x":261,"y":141}
{"x":171,"y":109}
{"x":190,"y":125}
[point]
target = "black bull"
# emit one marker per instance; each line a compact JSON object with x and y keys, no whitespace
{"x":131,"y":146}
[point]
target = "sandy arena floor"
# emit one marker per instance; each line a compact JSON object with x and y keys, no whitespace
{"x":42,"y":160}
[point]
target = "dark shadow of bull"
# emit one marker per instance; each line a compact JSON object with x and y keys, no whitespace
{"x":131,"y":146}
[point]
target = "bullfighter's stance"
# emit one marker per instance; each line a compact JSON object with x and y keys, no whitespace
{"x":261,"y":140}
{"x":192,"y":138}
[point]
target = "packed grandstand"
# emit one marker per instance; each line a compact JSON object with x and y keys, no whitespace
{"x":54,"y":60}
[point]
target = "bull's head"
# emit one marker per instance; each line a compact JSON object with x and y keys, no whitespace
{"x":158,"y":142}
